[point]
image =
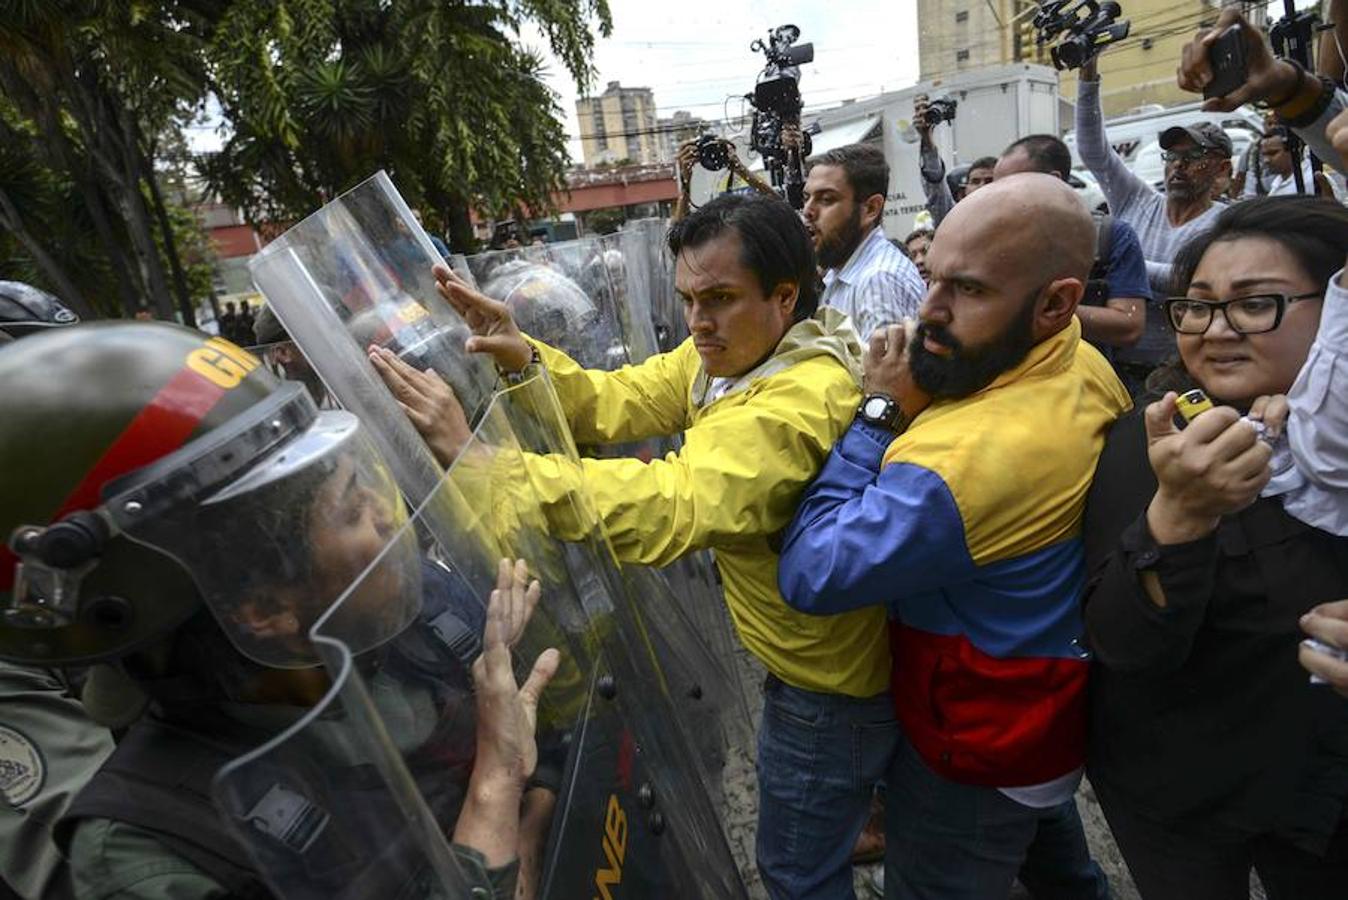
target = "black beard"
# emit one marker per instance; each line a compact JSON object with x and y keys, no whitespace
{"x":834,"y":252}
{"x":965,"y":372}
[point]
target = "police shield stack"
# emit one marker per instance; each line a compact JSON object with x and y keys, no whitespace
{"x":633,"y":806}
{"x":590,"y":298}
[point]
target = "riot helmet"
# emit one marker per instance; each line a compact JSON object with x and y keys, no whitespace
{"x":25,"y":309}
{"x":155,"y":470}
{"x":548,"y":305}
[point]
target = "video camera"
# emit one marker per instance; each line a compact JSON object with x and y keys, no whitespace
{"x":1090,"y":26}
{"x":775,"y":132}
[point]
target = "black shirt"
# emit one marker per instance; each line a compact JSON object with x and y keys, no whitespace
{"x":1202,"y":717}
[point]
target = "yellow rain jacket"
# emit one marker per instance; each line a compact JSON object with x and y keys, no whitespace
{"x":747,"y":456}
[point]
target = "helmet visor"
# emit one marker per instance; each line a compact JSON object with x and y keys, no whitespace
{"x":275,"y":546}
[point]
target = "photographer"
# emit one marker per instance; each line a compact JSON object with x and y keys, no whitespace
{"x":1210,"y":752}
{"x":720,"y":153}
{"x":940,"y":196}
{"x":1197,"y":158}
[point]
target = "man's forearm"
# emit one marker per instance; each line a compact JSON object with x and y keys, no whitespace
{"x":1116,"y":181}
{"x":1112,"y":325}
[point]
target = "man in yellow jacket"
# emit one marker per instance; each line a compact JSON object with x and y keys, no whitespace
{"x":761,"y":390}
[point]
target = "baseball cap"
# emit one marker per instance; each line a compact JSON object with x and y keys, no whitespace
{"x":1206,"y":135}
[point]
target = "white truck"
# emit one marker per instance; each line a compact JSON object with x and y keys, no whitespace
{"x":996,"y":105}
{"x":1136,"y":136}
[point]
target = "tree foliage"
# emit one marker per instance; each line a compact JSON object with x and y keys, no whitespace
{"x":88,"y":88}
{"x":316,"y":94}
{"x":320,"y":94}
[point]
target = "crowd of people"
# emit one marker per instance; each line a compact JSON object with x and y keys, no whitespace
{"x":1037,"y":494}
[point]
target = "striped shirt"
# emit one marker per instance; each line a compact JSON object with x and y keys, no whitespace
{"x":1143,"y":207}
{"x":877,"y":285}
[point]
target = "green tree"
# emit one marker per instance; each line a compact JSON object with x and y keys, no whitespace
{"x":91,"y":86}
{"x":322,"y":93}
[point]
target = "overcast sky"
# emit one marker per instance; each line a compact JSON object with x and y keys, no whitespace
{"x":694,"y":54}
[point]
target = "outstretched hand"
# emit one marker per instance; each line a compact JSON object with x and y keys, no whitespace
{"x":506,"y":714}
{"x":429,"y":403}
{"x":494,"y":329}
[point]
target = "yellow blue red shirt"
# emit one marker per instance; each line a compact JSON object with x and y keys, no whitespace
{"x":967,"y":526}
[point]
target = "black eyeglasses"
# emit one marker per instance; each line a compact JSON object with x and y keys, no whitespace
{"x":1256,"y":314}
{"x":1185,"y":156}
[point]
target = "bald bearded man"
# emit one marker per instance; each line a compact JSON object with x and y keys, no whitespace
{"x":955,"y":499}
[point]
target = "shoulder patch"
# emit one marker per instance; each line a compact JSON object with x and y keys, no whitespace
{"x":23,"y":769}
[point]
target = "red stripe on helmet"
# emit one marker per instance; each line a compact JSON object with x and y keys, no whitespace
{"x":162,"y":426}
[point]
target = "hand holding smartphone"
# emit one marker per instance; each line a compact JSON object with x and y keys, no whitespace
{"x":1226,"y":56}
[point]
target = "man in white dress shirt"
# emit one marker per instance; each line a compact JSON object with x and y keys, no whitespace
{"x":865,"y":275}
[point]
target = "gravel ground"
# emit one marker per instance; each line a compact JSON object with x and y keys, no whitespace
{"x":741,"y":798}
{"x":741,"y":810}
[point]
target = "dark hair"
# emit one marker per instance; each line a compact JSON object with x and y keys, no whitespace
{"x":983,"y":162}
{"x":864,"y":165}
{"x":1046,"y":153}
{"x":1314,"y":230}
{"x":919,"y":232}
{"x":774,"y":244}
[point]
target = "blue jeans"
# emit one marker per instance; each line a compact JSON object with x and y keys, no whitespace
{"x":950,"y":841}
{"x":819,"y":757}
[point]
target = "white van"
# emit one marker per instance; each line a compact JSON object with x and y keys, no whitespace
{"x":1136,"y":135}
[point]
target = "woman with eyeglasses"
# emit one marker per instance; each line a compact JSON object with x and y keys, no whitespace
{"x":1211,"y":753}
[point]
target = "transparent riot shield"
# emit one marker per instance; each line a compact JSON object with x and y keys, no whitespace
{"x":364,"y":795}
{"x":562,"y":294}
{"x":357,"y":273}
{"x":633,"y":273}
{"x":589,"y":298}
{"x":568,"y":288}
{"x":666,"y":311}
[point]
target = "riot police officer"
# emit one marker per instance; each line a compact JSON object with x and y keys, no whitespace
{"x":39,"y":708}
{"x":247,"y":562}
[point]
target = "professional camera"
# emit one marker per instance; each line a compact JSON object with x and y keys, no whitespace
{"x":712,"y":153}
{"x":942,"y":109}
{"x":1090,"y":26}
{"x":775,"y":132}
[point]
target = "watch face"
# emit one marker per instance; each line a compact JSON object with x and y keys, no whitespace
{"x":875,"y":407}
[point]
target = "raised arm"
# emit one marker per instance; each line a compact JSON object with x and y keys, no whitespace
{"x":1120,"y":186}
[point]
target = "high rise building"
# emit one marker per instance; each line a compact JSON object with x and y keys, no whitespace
{"x":619,"y":125}
{"x":958,"y":35}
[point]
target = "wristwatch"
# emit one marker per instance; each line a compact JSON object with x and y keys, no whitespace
{"x":882,"y":410}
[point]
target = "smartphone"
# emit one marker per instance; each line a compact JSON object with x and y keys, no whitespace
{"x":1227,"y":58}
{"x":1190,"y":403}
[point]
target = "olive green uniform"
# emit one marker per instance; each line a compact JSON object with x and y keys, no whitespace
{"x":49,"y":748}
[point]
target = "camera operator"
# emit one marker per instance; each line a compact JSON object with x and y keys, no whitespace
{"x":1113,"y":312}
{"x":865,"y":276}
{"x":940,"y":196}
{"x":1198,"y":157}
{"x":692,"y":151}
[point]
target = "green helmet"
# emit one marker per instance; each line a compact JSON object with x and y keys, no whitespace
{"x":151,"y":468}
